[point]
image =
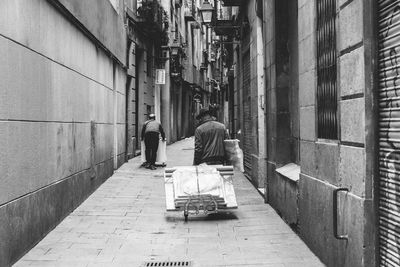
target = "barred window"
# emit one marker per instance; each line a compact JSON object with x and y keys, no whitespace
{"x":326,"y":70}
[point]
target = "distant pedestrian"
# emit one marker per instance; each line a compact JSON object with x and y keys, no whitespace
{"x":209,"y":140}
{"x":151,"y":134}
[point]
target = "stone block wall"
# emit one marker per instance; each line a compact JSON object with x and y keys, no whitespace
{"x":62,"y":117}
{"x":329,"y":164}
{"x":282,"y":105}
{"x":283,"y":196}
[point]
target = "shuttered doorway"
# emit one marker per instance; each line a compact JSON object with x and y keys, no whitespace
{"x":247,"y":126}
{"x":389,"y":132}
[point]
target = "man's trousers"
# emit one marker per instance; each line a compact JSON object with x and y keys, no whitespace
{"x":151,"y":140}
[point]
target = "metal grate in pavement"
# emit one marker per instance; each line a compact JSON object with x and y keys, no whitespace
{"x":167,"y":263}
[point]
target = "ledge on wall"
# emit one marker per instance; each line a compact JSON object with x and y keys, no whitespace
{"x":290,"y":171}
{"x":261,"y":191}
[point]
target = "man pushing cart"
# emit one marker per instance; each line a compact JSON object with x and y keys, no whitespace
{"x":207,"y":186}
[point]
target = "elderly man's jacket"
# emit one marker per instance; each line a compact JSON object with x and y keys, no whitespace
{"x":209,"y":142}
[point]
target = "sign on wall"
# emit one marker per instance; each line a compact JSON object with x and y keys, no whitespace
{"x":160,"y":76}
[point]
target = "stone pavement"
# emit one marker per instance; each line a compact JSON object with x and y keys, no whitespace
{"x":124,"y":223}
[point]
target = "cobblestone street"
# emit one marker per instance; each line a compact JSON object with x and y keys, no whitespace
{"x":124,"y":223}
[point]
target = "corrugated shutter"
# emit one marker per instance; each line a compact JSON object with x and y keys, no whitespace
{"x":247,"y":127}
{"x":389,"y":132}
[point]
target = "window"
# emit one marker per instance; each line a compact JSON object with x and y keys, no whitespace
{"x":326,"y":70}
{"x":176,"y":32}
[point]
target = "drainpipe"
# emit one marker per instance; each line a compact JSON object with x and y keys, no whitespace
{"x":165,"y":90}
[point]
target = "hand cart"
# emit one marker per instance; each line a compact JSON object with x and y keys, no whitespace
{"x":195,"y":203}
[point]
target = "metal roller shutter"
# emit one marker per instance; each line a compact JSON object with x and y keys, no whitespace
{"x":389,"y":132}
{"x":247,"y":127}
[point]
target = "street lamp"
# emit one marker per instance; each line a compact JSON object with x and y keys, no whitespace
{"x":206,"y":11}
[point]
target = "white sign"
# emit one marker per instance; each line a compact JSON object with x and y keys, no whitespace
{"x":160,"y":76}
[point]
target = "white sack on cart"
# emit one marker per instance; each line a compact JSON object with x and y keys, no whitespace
{"x":205,"y":180}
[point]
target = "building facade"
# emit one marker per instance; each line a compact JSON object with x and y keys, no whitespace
{"x":189,"y":77}
{"x":174,"y":44}
{"x":79,"y":80}
{"x":63,"y":119}
{"x":337,"y":131}
{"x":315,"y":102}
{"x":245,"y":84}
{"x":147,"y":24}
{"x":339,"y":151}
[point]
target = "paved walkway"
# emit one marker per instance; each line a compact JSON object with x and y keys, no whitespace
{"x":124,"y":223}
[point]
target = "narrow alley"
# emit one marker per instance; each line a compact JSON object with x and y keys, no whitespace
{"x":124,"y":223}
{"x":301,"y":96}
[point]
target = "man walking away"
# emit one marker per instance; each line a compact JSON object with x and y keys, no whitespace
{"x":151,"y":133}
{"x":209,"y":140}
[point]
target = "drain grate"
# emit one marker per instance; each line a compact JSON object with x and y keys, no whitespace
{"x":167,"y":263}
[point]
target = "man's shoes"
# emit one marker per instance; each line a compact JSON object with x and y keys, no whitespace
{"x":145,"y":164}
{"x":151,"y":167}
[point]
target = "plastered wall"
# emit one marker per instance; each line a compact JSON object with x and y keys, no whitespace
{"x":62,"y":120}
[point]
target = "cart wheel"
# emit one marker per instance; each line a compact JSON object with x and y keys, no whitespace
{"x":186,"y":214}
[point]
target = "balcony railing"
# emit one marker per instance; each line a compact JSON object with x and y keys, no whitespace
{"x":152,"y":16}
{"x":224,"y":23}
{"x":190,"y":10}
{"x":233,"y":2}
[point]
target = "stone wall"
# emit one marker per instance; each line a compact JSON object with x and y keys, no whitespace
{"x":270,"y":77}
{"x":62,"y":120}
{"x":102,"y":20}
{"x":282,"y":111}
{"x":329,"y":164}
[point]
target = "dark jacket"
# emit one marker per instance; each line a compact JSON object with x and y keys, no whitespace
{"x":153,"y":126}
{"x":209,"y":142}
